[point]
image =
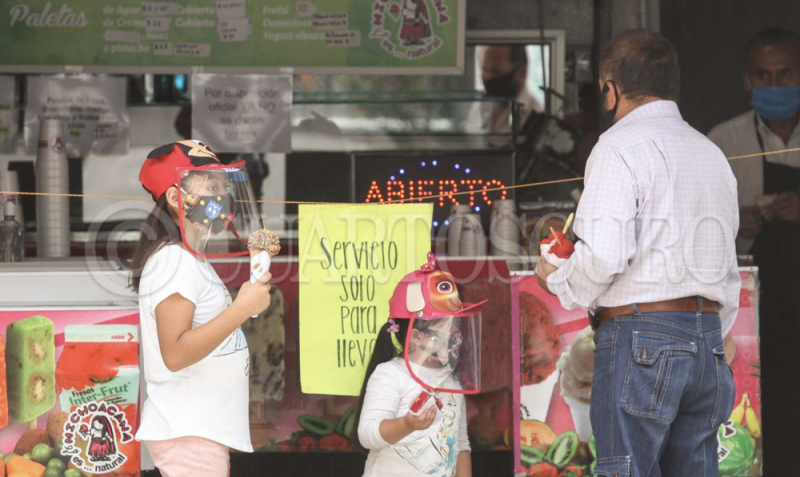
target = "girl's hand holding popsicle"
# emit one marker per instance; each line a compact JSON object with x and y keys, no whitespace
{"x":254,"y":298}
{"x":263,"y":245}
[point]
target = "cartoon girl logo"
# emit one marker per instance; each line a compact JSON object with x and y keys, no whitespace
{"x":413,"y":22}
{"x":92,"y":435}
{"x":100,"y":434}
{"x":415,"y":28}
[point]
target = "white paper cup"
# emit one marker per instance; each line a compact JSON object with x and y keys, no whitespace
{"x":551,"y":258}
{"x":580,"y":417}
{"x":535,"y":399}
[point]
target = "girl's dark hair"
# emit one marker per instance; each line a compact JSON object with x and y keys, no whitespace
{"x":383,"y":353}
{"x":157,"y":230}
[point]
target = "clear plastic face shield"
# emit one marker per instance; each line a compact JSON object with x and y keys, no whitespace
{"x":444,"y":354}
{"x":218,"y":209}
{"x":442,"y":348}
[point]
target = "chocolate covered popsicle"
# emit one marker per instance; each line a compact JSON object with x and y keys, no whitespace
{"x":263,"y":245}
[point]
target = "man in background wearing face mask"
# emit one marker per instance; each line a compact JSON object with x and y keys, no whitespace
{"x":504,"y":70}
{"x":656,"y":269}
{"x":770,"y":222}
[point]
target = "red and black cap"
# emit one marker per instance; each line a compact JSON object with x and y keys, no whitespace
{"x":158,"y":171}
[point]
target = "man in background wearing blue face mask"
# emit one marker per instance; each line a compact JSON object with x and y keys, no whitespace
{"x":768,"y":189}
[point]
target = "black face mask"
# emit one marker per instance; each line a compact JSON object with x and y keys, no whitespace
{"x":502,"y":86}
{"x":212,"y":213}
{"x":608,"y":116}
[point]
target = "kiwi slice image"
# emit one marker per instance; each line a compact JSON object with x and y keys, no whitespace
{"x":564,"y":448}
{"x":530,"y":456}
{"x":315,"y":425}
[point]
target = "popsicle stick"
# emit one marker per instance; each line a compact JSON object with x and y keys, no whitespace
{"x":33,"y":424}
{"x":568,"y":223}
{"x":554,"y":235}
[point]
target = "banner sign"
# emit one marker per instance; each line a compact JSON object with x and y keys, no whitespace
{"x":416,"y":36}
{"x":351,"y":258}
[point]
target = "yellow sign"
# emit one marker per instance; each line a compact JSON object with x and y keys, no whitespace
{"x":351,"y":258}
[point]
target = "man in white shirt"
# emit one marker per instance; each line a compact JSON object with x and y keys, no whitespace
{"x":770,"y":222}
{"x":504,"y":70}
{"x":656,"y":268}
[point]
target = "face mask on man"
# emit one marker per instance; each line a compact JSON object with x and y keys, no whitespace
{"x":502,"y":86}
{"x":776,"y":103}
{"x":608,"y":116}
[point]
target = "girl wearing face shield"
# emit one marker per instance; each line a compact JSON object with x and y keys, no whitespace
{"x":412,"y":411}
{"x":196,"y":360}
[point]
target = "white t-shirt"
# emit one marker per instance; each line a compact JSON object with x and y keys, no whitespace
{"x":209,"y":398}
{"x":431,"y":452}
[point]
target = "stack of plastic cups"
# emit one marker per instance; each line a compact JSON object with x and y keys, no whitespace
{"x":472,"y":241}
{"x":10,"y":182}
{"x":457,"y":214}
{"x":52,"y":177}
{"x":504,"y":231}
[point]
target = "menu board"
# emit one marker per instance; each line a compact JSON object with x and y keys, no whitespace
{"x":415,"y":36}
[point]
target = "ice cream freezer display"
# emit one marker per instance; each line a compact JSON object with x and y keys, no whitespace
{"x":71,"y":392}
{"x":556,"y":367}
{"x":69,"y":372}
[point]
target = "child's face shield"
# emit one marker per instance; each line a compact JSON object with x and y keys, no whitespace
{"x":443,"y":354}
{"x":218,"y":209}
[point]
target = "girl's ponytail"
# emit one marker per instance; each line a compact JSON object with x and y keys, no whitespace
{"x":384,"y":352}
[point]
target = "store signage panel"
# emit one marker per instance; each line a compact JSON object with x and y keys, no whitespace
{"x":446,"y":180}
{"x":416,"y":36}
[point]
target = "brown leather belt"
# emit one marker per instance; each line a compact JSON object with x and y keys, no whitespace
{"x":687,"y":304}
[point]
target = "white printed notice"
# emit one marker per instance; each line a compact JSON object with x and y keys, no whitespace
{"x":92,"y":110}
{"x":231,"y":9}
{"x":235,"y":29}
{"x":242,"y":113}
{"x":8,"y":115}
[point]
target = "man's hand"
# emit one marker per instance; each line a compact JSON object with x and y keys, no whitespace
{"x":543,"y":270}
{"x":750,"y":220}
{"x":786,"y":207}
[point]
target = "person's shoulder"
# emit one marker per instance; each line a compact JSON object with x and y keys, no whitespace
{"x":529,"y":100}
{"x":386,"y":375}
{"x":167,"y":252}
{"x":393,"y":369}
{"x":170,"y":256}
{"x":733,"y":125}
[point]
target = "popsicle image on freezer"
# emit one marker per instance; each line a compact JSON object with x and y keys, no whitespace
{"x":31,"y":366}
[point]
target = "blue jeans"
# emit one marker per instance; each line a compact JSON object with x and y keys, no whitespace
{"x":661,"y":390}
